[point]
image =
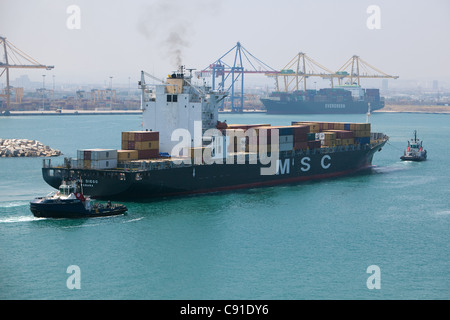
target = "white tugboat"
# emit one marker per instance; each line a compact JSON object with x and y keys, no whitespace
{"x":415,"y":150}
{"x":69,"y":202}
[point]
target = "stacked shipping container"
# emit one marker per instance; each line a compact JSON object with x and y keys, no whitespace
{"x":127,"y":155}
{"x":97,"y":158}
{"x":293,"y":137}
{"x":245,"y":143}
{"x":344,"y":133}
{"x":139,"y":145}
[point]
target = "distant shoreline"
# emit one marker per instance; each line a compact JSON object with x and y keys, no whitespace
{"x":73,"y":113}
{"x":387,"y":109}
{"x":425,"y":109}
{"x":416,"y":112}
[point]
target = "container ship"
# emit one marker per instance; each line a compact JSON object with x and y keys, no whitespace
{"x":184,"y":149}
{"x":349,"y":99}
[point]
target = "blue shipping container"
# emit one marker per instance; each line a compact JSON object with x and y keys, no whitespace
{"x":365,"y":140}
{"x":285,"y":131}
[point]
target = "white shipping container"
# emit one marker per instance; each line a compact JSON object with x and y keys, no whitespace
{"x":287,"y":146}
{"x":104,"y":164}
{"x":74,"y":163}
{"x":376,"y":135}
{"x":103,"y":154}
{"x":286,"y":139}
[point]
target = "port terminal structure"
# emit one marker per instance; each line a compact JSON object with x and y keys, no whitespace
{"x":243,"y":62}
{"x":290,"y":78}
{"x":293,"y":76}
{"x":14,"y":58}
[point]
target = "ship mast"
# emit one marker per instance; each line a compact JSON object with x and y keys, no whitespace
{"x":368,"y":114}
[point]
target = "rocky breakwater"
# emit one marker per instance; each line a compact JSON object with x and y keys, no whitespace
{"x":25,"y":148}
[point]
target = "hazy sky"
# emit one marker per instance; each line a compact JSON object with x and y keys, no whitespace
{"x":120,"y":38}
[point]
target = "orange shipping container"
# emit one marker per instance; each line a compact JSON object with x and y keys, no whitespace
{"x":147,"y":154}
{"x":146,"y":145}
{"x":123,"y":155}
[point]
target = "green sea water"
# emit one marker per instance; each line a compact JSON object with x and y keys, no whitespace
{"x":313,"y":240}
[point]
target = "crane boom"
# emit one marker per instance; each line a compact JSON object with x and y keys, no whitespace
{"x":357,"y":68}
{"x":302,"y":67}
{"x":17,"y":57}
{"x":150,"y":76}
{"x":299,"y":69}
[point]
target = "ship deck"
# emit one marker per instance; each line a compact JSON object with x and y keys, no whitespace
{"x":233,"y":157}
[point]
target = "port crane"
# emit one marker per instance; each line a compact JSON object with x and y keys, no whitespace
{"x":297,"y":70}
{"x":234,"y":69}
{"x":14,"y":58}
{"x":356,"y":68}
{"x":302,"y":67}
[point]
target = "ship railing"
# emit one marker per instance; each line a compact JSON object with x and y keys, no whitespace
{"x":151,"y":165}
{"x":46,"y":163}
{"x":377,"y":135}
{"x":326,"y":150}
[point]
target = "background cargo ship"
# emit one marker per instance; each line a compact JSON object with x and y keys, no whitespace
{"x":291,"y":95}
{"x":340,"y":100}
{"x":236,"y":157}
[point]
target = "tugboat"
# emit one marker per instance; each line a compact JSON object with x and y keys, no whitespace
{"x":415,"y":150}
{"x":69,"y":202}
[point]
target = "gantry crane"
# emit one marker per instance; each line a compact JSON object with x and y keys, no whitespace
{"x":20,"y":60}
{"x":220,"y":68}
{"x":302,"y":67}
{"x":356,"y":68}
{"x":297,"y":70}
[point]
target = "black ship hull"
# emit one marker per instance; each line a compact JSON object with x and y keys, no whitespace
{"x":70,"y":209}
{"x":293,"y":167}
{"x":413,"y":158}
{"x":313,"y":107}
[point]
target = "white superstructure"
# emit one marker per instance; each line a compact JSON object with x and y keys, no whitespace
{"x":178,"y":104}
{"x":357,"y":91}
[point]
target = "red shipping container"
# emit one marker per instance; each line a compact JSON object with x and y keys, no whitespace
{"x":301,"y":129}
{"x":314,"y":144}
{"x":268,"y":134}
{"x":130,"y":145}
{"x":140,"y":136}
{"x":343,"y":134}
{"x":246,"y":126}
{"x":87,"y":155}
{"x":300,"y":137}
{"x":300,"y":145}
{"x":147,"y":154}
{"x":237,"y":126}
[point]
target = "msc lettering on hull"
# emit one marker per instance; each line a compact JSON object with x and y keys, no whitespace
{"x":325,"y":162}
{"x":283,"y":166}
